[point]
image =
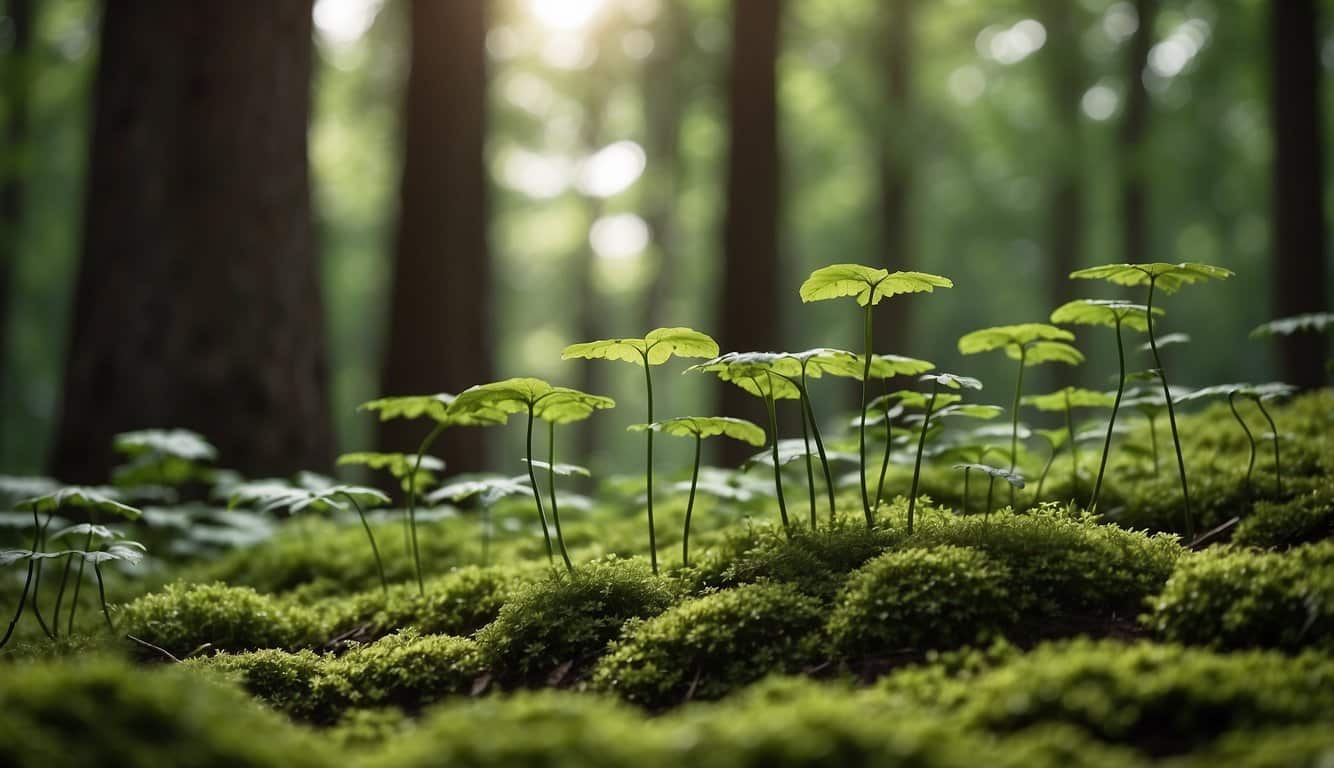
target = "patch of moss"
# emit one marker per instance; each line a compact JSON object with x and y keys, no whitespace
{"x":706,"y":647}
{"x":916,"y":599}
{"x":1302,"y":746}
{"x":108,"y":713}
{"x":1231,"y":598}
{"x":569,"y":618}
{"x":1306,"y":517}
{"x":184,"y":618}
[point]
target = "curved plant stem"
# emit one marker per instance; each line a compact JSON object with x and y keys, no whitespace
{"x":40,"y":546}
{"x":1074,"y":449}
{"x":773,"y":442}
{"x":23,"y":598}
{"x":648,"y":468}
{"x":810,"y":470}
{"x":551,"y":487}
{"x":690,"y":505}
{"x":412,"y":504}
{"x":819,"y":444}
{"x":1107,"y":443}
{"x":1014,"y":416}
{"x":921,"y":444}
{"x":60,"y":596}
{"x":1273,"y":430}
{"x":102,"y":596}
{"x":379,"y":565}
{"x":861,"y":430}
{"x":965,"y":489}
{"x":1171,"y":419}
{"x":537,"y":492}
{"x":1250,"y":438}
{"x":78,"y":582}
{"x":1051,"y":457}
{"x":991,"y":485}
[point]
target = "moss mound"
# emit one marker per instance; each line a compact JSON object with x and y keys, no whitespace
{"x":457,"y":603}
{"x":1230,"y":598}
{"x":107,"y":713}
{"x":1306,"y":517}
{"x":704,"y":648}
{"x":184,"y":618}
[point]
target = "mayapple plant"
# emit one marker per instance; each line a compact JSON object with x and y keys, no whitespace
{"x":928,"y":404}
{"x":1015,"y":480}
{"x":1259,"y":395}
{"x":700,"y":427}
{"x":868,"y":285}
{"x":488,"y":489}
{"x":1065,"y":400}
{"x":166,"y":457}
{"x":1168,"y":278}
{"x":564,"y":406}
{"x":656,"y":348}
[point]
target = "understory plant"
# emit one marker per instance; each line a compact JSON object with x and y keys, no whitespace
{"x":1065,"y":400}
{"x":1168,"y":278}
{"x":868,"y":285}
{"x":656,"y":348}
{"x":488,"y":490}
{"x":884,"y":368}
{"x":1015,"y":480}
{"x":164,"y":457}
{"x":1258,"y":394}
{"x":950,"y":381}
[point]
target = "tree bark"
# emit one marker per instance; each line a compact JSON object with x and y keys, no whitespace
{"x":1134,"y":135}
{"x":440,"y":310}
{"x":17,"y":76}
{"x":198,"y":300}
{"x":750,"y":227}
{"x":892,"y":318}
{"x":1299,"y":228}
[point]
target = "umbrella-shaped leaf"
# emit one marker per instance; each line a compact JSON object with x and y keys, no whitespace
{"x":84,"y":529}
{"x":462,"y":490}
{"x":790,"y":451}
{"x":658,"y":346}
{"x":953,"y":381}
{"x":882,"y":366}
{"x":911,"y":398}
{"x":1048,"y":352}
{"x":176,"y":443}
{"x":410,"y":407}
{"x":761,"y":374}
{"x":1104,"y":312}
{"x":1166,"y":340}
{"x":562,"y":470}
{"x":1007,"y":336}
{"x":397,"y":464}
{"x":969,"y":410}
{"x":131,"y":552}
{"x":508,"y":395}
{"x":11,"y":556}
{"x":1076,"y":397}
{"x":707,"y":426}
{"x":1054,"y":437}
{"x":563,"y":405}
{"x":1013,"y":478}
{"x":867,"y":284}
{"x":92,"y":499}
{"x":1317,"y":322}
{"x":1166,"y":277}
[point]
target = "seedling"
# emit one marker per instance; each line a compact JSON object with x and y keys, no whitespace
{"x":1054,"y":438}
{"x":937,"y":380}
{"x":112,"y":547}
{"x":564,"y":407}
{"x":868,"y":285}
{"x":167,"y":457}
{"x":521,"y":395}
{"x":1169,"y":278}
{"x":1257,"y":394}
{"x":1116,"y":315}
{"x":654,"y":349}
{"x":700,"y":427}
{"x":1030,"y":344}
{"x":1014,"y":479}
{"x":489,"y":489}
{"x":1066,"y":400}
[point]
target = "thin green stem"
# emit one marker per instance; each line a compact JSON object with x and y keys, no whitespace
{"x":1116,"y":404}
{"x":884,"y":458}
{"x":23,"y":597}
{"x":690,"y":505}
{"x":1153,"y":442}
{"x":537,"y":491}
{"x":412,"y":504}
{"x":1051,"y":457}
{"x":60,"y":596}
{"x":1273,"y":430}
{"x":551,"y":487}
{"x":810,"y":470}
{"x":37,"y":577}
{"x":773,"y":442}
{"x":78,"y":582}
{"x":965,"y":489}
{"x":1171,"y":419}
{"x":1014,"y":415}
{"x":648,"y":468}
{"x":379,"y":564}
{"x":486,"y":533}
{"x":921,"y":445}
{"x":991,"y":485}
{"x":819,"y":444}
{"x":1074,"y":449}
{"x":861,"y":430}
{"x":1250,"y":438}
{"x":102,"y":596}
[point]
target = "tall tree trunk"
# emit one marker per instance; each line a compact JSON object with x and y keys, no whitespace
{"x":198,"y":300}
{"x":16,"y":72}
{"x":750,"y":228}
{"x":1134,"y":134}
{"x":441,"y":303}
{"x":1299,"y":226}
{"x":896,"y":177}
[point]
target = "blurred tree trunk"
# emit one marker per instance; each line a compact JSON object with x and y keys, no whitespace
{"x":16,"y":73}
{"x":1134,"y":134}
{"x":892,"y":318}
{"x":749,"y":289}
{"x":1065,"y":193}
{"x":440,"y":308}
{"x":662,"y":132}
{"x":1299,"y":227}
{"x":198,"y":299}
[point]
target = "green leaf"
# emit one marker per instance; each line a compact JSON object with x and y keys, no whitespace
{"x":1078,"y":398}
{"x":911,"y":398}
{"x":867,"y":284}
{"x":1167,"y":340}
{"x":176,"y":443}
{"x":509,"y":395}
{"x":1011,"y":338}
{"x":658,"y":346}
{"x":83,"y":529}
{"x":1048,"y":352}
{"x":1013,"y":478}
{"x":462,"y":490}
{"x":1054,"y":437}
{"x":970,"y":410}
{"x":563,"y":405}
{"x":562,"y":470}
{"x":77,"y":497}
{"x":951,"y":380}
{"x":398,"y":464}
{"x":1317,"y":322}
{"x":410,"y":407}
{"x":1104,"y":312}
{"x":707,"y":426}
{"x":1166,"y":277}
{"x":761,"y":374}
{"x":11,"y":556}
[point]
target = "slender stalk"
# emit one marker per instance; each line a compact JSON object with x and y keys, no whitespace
{"x":773,"y":443}
{"x":537,"y":491}
{"x":965,"y":489}
{"x":690,"y":505}
{"x":78,"y":582}
{"x":551,"y":487}
{"x":861,"y":430}
{"x":486,"y":534}
{"x":23,"y":597}
{"x":819,"y":443}
{"x":37,"y":577}
{"x":921,"y":444}
{"x":1051,"y":457}
{"x":884,"y":460}
{"x":1014,"y":415}
{"x":1107,"y":443}
{"x":810,"y":471}
{"x":1171,"y":419}
{"x":1273,"y":430}
{"x":102,"y":596}
{"x":1074,"y":449}
{"x":1250,"y":438}
{"x":379,"y":565}
{"x":412,"y":504}
{"x":991,"y":485}
{"x":1153,"y":442}
{"x":60,"y":596}
{"x":648,"y":471}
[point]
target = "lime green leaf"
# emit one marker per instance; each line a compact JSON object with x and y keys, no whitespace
{"x":1168,"y":340}
{"x":1048,"y":352}
{"x":397,"y":464}
{"x":658,"y":346}
{"x":76,"y":497}
{"x":910,"y":398}
{"x":1013,"y":478}
{"x":509,"y":395}
{"x":951,"y":380}
{"x":561,"y":470}
{"x":488,"y":486}
{"x":1054,"y":437}
{"x":410,"y":407}
{"x":1318,"y":322}
{"x":867,"y":284}
{"x":1006,"y":336}
{"x":563,"y":405}
{"x":707,"y":426}
{"x":970,"y":410}
{"x":1104,"y":312}
{"x":1166,"y":277}
{"x":762,"y":374}
{"x":176,"y":443}
{"x":1077,"y":397}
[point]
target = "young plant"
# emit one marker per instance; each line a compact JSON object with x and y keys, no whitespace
{"x":1110,"y":314}
{"x":488,"y":489}
{"x":1014,"y":479}
{"x":165,"y":457}
{"x":1257,"y":394}
{"x":564,"y":407}
{"x":913,"y":399}
{"x":1055,"y":438}
{"x":527,"y":395}
{"x":700,"y":427}
{"x":811,"y":364}
{"x":1029,"y":344}
{"x":1311,"y":322}
{"x":1168,"y":278}
{"x":1065,"y":400}
{"x":112,"y":546}
{"x":655,"y":348}
{"x":868,"y":285}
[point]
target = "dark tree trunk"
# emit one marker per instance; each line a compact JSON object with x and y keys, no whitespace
{"x":1299,"y":227}
{"x":1134,"y":135}
{"x":892,"y":318}
{"x":441,"y":303}
{"x":16,"y":74}
{"x":750,"y":228}
{"x":198,"y":300}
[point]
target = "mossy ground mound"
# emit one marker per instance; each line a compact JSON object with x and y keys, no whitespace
{"x":186,"y":618}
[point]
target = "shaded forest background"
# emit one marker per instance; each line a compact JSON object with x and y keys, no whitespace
{"x":246,"y":217}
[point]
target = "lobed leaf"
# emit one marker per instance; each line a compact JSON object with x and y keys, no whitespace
{"x":562,"y":470}
{"x":1007,"y":336}
{"x":867,"y":284}
{"x":1013,"y":478}
{"x":176,"y":443}
{"x":1105,"y":312}
{"x":1166,"y":277}
{"x":707,"y":426}
{"x":658,"y":347}
{"x":92,"y":499}
{"x":1077,"y":397}
{"x":1318,"y":322}
{"x":563,"y":405}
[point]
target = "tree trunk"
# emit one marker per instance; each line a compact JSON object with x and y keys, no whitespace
{"x":16,"y":74}
{"x":750,"y":228}
{"x":1134,"y":134}
{"x":896,"y":178}
{"x":198,"y":300}
{"x":439,"y":338}
{"x":1299,"y":227}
